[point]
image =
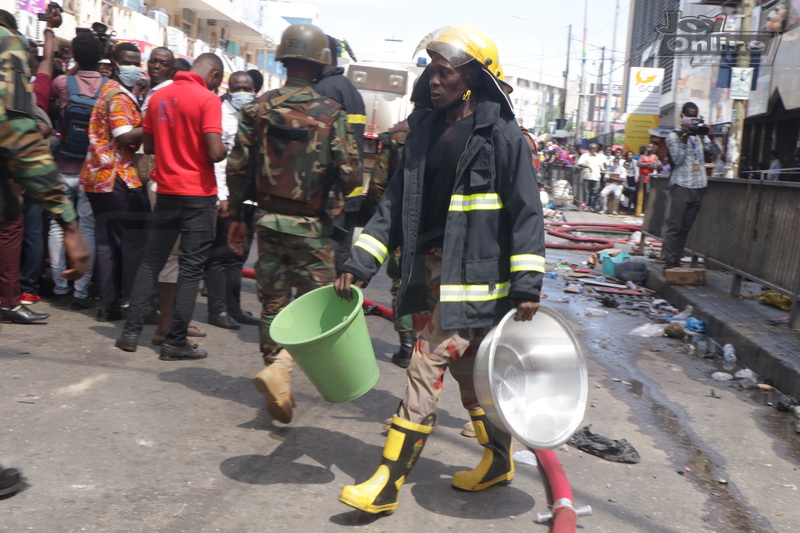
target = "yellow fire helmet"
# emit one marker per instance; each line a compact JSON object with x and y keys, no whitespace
{"x":461,"y":43}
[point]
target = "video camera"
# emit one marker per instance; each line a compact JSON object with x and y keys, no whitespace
{"x":105,"y":37}
{"x":49,"y":10}
{"x":698,"y":126}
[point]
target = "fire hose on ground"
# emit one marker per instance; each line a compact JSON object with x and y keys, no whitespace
{"x":563,"y":513}
{"x":563,"y":230}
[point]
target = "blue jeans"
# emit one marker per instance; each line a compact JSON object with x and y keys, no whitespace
{"x":56,"y":240}
{"x":32,"y":247}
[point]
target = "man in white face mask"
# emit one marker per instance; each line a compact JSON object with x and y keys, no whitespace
{"x":223,"y":271}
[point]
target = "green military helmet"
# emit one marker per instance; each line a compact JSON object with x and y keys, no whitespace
{"x":306,"y":42}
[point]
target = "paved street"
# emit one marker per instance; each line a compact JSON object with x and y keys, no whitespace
{"x":121,"y":442}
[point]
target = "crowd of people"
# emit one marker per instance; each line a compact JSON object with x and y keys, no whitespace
{"x":609,"y":179}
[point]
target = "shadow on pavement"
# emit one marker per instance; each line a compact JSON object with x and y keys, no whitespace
{"x":307,"y":455}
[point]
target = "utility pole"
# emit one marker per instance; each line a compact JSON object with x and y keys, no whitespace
{"x":579,"y":124}
{"x":597,"y":90}
{"x":566,"y":80}
{"x":740,"y":106}
{"x":609,"y":94}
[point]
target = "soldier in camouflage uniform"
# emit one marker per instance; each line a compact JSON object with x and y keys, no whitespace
{"x":26,"y":164}
{"x":392,"y":148}
{"x":295,"y":150}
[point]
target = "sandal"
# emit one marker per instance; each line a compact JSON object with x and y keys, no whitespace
{"x":192,"y":331}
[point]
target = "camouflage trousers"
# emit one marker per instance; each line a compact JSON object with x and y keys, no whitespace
{"x":284,"y":262}
{"x":437,"y":350}
{"x":404,"y":322}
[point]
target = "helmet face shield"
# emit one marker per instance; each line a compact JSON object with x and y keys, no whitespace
{"x":461,"y":43}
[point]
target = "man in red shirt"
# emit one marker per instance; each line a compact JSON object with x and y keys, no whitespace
{"x":183,"y":128}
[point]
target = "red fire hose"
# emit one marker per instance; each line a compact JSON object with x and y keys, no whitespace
{"x":563,"y":513}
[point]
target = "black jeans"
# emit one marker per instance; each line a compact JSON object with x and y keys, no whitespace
{"x":684,"y":204}
{"x":121,"y":219}
{"x":194,"y":219}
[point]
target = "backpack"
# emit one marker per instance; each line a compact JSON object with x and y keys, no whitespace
{"x":77,"y":115}
{"x":295,"y":172}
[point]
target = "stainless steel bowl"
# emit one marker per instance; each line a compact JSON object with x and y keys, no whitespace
{"x":531,"y":378}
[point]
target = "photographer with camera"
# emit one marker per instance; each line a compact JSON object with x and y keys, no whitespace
{"x":688,"y":179}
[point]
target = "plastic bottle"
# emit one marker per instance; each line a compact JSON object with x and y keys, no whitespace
{"x":701,"y":344}
{"x":593,"y":311}
{"x":728,"y":357}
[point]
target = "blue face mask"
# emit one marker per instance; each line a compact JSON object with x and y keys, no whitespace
{"x":130,"y":74}
{"x":241,"y":98}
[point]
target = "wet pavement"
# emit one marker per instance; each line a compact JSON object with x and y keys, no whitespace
{"x":116,"y":442}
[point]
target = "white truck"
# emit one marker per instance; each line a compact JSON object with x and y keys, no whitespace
{"x":386,"y":90}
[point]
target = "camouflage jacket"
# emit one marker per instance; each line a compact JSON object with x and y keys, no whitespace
{"x":24,"y":155}
{"x":392,"y":142}
{"x":287,"y":202}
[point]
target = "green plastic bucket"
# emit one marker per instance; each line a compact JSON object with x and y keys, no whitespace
{"x":328,"y":338}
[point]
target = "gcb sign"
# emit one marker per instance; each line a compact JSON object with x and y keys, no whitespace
{"x":644,"y":91}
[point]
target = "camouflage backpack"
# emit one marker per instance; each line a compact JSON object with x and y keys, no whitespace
{"x":296,"y":171}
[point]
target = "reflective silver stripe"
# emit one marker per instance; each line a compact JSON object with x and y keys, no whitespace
{"x":527,"y":262}
{"x":473,"y":293}
{"x":472,"y":202}
{"x":373,"y":246}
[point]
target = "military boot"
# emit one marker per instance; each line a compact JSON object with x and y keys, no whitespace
{"x":403,"y":355}
{"x":380,"y":493}
{"x":273,"y":383}
{"x":496,"y":466}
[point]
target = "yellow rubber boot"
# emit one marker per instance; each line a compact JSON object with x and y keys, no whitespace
{"x":380,"y":493}
{"x":496,"y":465}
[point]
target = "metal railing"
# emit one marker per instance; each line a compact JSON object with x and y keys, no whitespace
{"x":749,"y":227}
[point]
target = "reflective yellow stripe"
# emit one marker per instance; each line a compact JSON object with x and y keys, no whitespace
{"x":527,"y":262}
{"x":358,"y":191}
{"x":373,"y":246}
{"x":357,"y":119}
{"x":473,"y":293}
{"x":472,"y":202}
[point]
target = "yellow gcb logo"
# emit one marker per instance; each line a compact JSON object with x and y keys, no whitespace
{"x":642,"y":82}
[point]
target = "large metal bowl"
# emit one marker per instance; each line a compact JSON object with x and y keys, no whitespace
{"x":530,"y":377}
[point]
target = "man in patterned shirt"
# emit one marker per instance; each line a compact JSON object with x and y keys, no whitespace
{"x":112,"y":184}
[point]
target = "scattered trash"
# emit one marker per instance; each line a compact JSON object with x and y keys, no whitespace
{"x":785,"y":403}
{"x":563,"y":300}
{"x":795,"y":410}
{"x":790,"y":486}
{"x":686,"y":313}
{"x":525,"y":457}
{"x":779,"y":321}
{"x":551,"y":275}
{"x":675,"y":330}
{"x":728,"y":357}
{"x":722,"y":481}
{"x":797,"y":427}
{"x":594,"y":311}
{"x":648,"y":330}
{"x":714,"y":395}
{"x":563,"y":268}
{"x":695,"y":325}
{"x":700,"y":345}
{"x":775,"y":299}
{"x":618,"y":451}
{"x":747,"y":378}
{"x":636,"y":236}
{"x":573,"y":288}
{"x":609,"y":301}
{"x":765,"y":387}
{"x":721,"y":376}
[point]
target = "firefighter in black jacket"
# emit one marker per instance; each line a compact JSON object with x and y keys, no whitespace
{"x":464,"y":205}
